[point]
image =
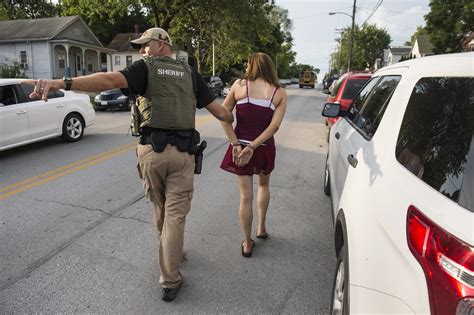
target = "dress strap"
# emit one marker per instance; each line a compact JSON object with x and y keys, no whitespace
{"x":273,"y":95}
{"x":247,"y":84}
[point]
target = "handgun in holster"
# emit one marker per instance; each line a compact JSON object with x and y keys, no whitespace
{"x":199,"y":156}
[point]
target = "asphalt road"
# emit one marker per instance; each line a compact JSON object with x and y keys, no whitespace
{"x":77,"y":236}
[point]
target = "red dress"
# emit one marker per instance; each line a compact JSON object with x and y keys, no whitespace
{"x":253,"y":117}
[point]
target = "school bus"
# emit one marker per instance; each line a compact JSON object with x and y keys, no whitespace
{"x":308,"y":78}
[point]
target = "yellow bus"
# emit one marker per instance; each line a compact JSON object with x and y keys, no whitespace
{"x":308,"y":78}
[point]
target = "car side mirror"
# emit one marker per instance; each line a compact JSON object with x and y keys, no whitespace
{"x":331,"y":110}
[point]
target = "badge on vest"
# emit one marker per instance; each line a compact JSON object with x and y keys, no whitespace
{"x":170,"y":73}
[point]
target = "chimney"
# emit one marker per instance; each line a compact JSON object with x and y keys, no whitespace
{"x":136,"y":29}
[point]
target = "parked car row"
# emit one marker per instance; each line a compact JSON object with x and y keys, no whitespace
{"x":24,"y":120}
{"x":400,"y":173}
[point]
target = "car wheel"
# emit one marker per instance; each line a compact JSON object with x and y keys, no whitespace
{"x":73,"y":128}
{"x":301,"y":86}
{"x":130,"y":102}
{"x":340,"y":292}
{"x":327,"y":184}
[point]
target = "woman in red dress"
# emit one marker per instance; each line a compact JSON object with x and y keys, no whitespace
{"x":260,"y":106}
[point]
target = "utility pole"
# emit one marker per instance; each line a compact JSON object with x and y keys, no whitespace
{"x":213,"y":57}
{"x":349,"y":65}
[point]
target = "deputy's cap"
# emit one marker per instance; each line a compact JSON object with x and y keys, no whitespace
{"x":150,"y":34}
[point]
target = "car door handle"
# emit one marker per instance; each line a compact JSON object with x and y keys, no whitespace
{"x":59,"y":105}
{"x":352,"y":160}
{"x":337,"y":135}
{"x":21,"y":112}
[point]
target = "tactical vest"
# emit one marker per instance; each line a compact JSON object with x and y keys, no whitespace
{"x":169,"y":101}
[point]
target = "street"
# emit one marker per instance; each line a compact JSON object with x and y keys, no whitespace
{"x":77,"y":235}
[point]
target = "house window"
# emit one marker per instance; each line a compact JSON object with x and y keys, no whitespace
{"x":117,"y":60}
{"x":62,"y":63}
{"x":89,"y":63}
{"x":129,"y":60}
{"x":23,"y":59}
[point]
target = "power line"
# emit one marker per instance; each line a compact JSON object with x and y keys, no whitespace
{"x":373,"y":11}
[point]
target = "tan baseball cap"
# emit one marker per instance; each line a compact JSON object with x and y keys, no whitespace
{"x":150,"y":34}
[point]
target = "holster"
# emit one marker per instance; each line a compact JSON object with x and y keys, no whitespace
{"x":184,"y":140}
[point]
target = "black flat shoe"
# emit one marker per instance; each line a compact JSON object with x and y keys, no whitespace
{"x":169,"y":294}
{"x":263,"y":236}
{"x":249,"y":254}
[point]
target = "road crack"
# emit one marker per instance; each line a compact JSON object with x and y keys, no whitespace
{"x":76,"y":206}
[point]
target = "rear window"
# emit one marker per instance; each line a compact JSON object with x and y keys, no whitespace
{"x":436,"y":140}
{"x":353,"y":87}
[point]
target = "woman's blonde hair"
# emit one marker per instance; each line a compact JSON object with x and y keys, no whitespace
{"x":260,"y":65}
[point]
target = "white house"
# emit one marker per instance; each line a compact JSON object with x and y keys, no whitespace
{"x":421,"y":46}
{"x":52,"y":47}
{"x":393,"y":54}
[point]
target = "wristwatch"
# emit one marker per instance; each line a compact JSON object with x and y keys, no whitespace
{"x":68,"y":82}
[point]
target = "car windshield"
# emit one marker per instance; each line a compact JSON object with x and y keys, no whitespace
{"x":436,"y":140}
{"x":353,"y":86}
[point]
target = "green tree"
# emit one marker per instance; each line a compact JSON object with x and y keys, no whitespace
{"x":107,"y":18}
{"x":369,"y":43}
{"x":296,"y":68}
{"x":220,"y":23}
{"x":27,"y":9}
{"x":448,"y":22}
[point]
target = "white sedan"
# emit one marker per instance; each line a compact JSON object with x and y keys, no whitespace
{"x":23,"y":120}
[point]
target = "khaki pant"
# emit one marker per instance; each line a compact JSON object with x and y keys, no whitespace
{"x":168,"y":179}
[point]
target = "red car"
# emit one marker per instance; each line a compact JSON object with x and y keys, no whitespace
{"x":345,"y":89}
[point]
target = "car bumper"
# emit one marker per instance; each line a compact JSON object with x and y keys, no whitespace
{"x":367,"y":301}
{"x":111,"y":104}
{"x":89,"y":117}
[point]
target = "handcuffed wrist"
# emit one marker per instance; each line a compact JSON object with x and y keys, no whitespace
{"x":251,"y":146}
{"x":235,"y":144}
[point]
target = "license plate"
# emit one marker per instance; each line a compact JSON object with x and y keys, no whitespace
{"x":103,"y":103}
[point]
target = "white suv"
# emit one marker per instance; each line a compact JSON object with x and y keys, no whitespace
{"x":400,"y":172}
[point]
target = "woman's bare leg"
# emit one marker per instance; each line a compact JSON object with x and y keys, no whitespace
{"x":245,"y":210}
{"x":263,"y":200}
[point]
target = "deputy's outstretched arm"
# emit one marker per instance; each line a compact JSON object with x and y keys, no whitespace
{"x":96,"y":82}
{"x":220,"y":112}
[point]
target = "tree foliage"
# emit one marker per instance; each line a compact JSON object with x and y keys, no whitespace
{"x":107,"y":18}
{"x":369,"y":43}
{"x":235,"y":28}
{"x":27,"y":9}
{"x":448,"y":22}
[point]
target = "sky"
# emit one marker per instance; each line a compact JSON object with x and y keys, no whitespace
{"x":314,"y":30}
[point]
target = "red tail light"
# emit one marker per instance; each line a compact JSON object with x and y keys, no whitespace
{"x":447,"y":262}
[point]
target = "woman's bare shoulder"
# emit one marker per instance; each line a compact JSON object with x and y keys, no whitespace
{"x":280,"y":95}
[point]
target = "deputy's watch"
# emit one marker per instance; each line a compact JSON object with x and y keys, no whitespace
{"x":68,"y":82}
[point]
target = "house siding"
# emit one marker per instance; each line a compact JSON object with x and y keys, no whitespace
{"x":40,"y":65}
{"x":123,"y":60}
{"x":7,"y":54}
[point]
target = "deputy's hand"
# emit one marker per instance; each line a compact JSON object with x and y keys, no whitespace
{"x":42,"y":87}
{"x":245,"y":156}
